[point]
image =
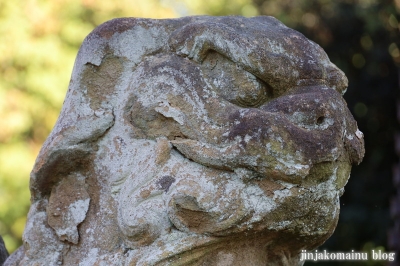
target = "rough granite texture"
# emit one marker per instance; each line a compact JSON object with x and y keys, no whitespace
{"x":192,"y":141}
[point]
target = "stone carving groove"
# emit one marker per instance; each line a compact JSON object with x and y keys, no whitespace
{"x":193,"y":141}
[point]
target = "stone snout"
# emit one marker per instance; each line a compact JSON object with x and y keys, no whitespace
{"x":280,"y":137}
{"x":285,"y":138}
{"x":264,"y":176}
{"x":278,"y":166}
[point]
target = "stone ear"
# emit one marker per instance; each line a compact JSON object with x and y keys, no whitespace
{"x":66,"y":151}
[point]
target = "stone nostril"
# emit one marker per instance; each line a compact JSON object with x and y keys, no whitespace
{"x":320,"y":120}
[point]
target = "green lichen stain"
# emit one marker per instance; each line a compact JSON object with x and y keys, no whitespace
{"x":343,"y":174}
{"x":319,"y":173}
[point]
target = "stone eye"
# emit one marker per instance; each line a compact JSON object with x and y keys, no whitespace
{"x":233,"y":83}
{"x":249,"y":91}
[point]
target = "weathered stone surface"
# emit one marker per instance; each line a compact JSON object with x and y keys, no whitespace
{"x":193,"y":141}
{"x":3,"y":251}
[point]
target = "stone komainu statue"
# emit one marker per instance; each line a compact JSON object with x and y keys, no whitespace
{"x":192,"y":141}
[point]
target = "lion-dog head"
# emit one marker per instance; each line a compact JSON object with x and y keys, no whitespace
{"x":194,"y":136}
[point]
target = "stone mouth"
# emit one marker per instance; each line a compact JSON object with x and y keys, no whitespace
{"x":206,"y":154}
{"x":195,"y":249}
{"x":231,"y":157}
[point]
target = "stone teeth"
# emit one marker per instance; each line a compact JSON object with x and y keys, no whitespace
{"x":359,"y":134}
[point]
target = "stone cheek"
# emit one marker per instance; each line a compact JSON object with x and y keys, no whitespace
{"x":195,"y":141}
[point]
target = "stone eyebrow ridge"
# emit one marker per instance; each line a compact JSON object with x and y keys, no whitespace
{"x":278,"y":55}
